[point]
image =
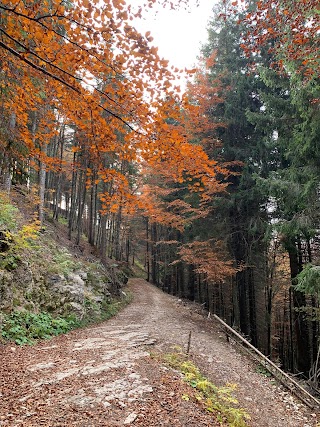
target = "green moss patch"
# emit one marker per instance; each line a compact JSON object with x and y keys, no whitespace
{"x":218,"y":400}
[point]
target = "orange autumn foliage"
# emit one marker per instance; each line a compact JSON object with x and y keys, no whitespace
{"x":86,"y":67}
{"x":178,"y":192}
{"x":180,"y":177}
{"x":289,"y":28}
{"x":209,"y":260}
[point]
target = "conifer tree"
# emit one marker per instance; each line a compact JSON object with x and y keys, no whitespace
{"x":292,"y":120}
{"x":243,"y":147}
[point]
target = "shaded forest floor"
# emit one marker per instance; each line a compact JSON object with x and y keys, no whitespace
{"x":104,"y":376}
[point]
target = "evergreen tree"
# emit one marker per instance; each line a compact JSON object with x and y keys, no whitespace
{"x":292,"y":119}
{"x":244,"y":147}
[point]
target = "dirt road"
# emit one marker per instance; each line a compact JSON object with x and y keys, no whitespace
{"x":103,"y":375}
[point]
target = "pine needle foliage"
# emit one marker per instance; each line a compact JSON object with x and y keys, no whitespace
{"x":308,"y":280}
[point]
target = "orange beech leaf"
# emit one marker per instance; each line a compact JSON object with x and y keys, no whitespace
{"x":292,"y":30}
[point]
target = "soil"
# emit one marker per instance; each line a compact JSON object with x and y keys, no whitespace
{"x":104,"y":376}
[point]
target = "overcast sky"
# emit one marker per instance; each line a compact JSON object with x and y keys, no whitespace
{"x":178,"y":34}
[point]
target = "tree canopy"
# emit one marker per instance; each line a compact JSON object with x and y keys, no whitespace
{"x":86,"y":66}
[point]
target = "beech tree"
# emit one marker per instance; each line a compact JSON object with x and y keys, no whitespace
{"x":179,"y":204}
{"x":89,"y":100}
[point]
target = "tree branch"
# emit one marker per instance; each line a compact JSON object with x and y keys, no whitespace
{"x":57,"y":78}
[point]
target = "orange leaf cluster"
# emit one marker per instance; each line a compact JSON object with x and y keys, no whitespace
{"x":290,"y":29}
{"x":180,"y":178}
{"x":209,"y":259}
{"x":86,"y":69}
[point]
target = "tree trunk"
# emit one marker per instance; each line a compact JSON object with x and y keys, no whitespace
{"x":301,"y":351}
{"x":72,"y":197}
{"x":147,"y":260}
{"x":8,"y":161}
{"x":42,"y":188}
{"x":81,"y":205}
{"x":103,"y":241}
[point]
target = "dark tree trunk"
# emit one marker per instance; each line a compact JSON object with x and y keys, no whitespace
{"x":301,"y":345}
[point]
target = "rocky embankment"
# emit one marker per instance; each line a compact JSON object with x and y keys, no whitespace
{"x":43,"y":271}
{"x":76,"y":292}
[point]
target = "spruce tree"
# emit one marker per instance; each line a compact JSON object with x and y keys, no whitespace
{"x":244,"y":147}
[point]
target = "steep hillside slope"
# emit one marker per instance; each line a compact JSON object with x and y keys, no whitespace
{"x":42,"y":271}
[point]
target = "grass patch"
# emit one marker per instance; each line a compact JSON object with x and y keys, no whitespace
{"x":62,"y":220}
{"x":15,"y":237}
{"x":218,"y":400}
{"x":260,"y":369}
{"x":139,"y":270}
{"x":62,"y":262}
{"x":111,"y":309}
{"x":8,"y":213}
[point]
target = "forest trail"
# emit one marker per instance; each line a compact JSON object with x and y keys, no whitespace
{"x":103,"y":375}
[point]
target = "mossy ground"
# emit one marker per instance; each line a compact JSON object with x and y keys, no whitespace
{"x":218,"y":400}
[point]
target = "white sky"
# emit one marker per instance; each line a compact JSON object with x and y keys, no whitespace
{"x":178,"y":33}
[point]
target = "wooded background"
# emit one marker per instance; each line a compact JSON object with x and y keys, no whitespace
{"x":215,"y":192}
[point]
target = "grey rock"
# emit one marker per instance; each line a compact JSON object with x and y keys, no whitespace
{"x":6,"y":290}
{"x":75,"y":279}
{"x":71,"y":289}
{"x":77,"y":309}
{"x":23,"y":277}
{"x":83,"y":275}
{"x":56,"y":280}
{"x":98,"y":299}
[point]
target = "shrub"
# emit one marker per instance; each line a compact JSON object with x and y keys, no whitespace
{"x":14,"y":238}
{"x":8,"y":214}
{"x":23,"y":327}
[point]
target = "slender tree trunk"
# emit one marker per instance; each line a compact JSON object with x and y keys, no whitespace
{"x":8,"y":165}
{"x":117,"y":235}
{"x":103,"y":241}
{"x":72,"y":197}
{"x":42,"y":188}
{"x":92,"y":211}
{"x":81,"y":205}
{"x":103,"y":232}
{"x":59,"y":176}
{"x":147,"y":261}
{"x":300,"y":328}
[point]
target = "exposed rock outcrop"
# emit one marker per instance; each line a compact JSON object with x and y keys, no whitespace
{"x":79,"y":292}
